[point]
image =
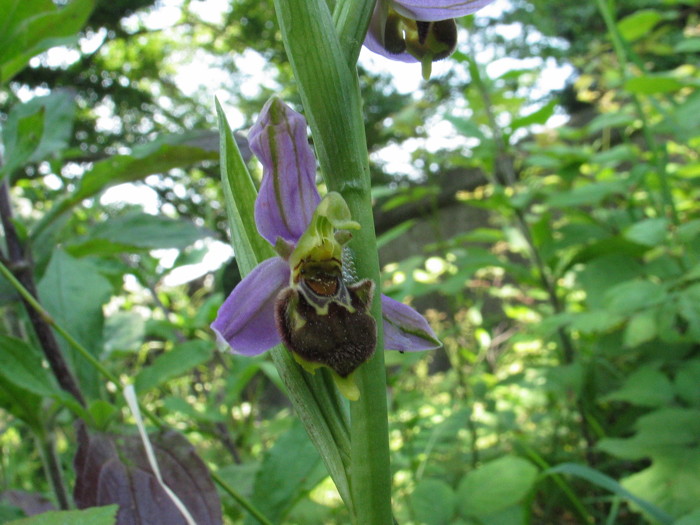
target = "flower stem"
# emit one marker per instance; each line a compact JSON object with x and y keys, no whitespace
{"x":330,"y":93}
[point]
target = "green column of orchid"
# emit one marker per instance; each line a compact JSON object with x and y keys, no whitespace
{"x":330,"y":92}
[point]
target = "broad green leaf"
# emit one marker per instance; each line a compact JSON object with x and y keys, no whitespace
{"x":93,"y":516}
{"x":689,"y":45}
{"x":616,"y":155}
{"x":639,"y":23}
{"x":495,"y":486}
{"x":649,"y":232}
{"x":651,"y":84}
{"x":21,"y":364}
{"x":73,"y":292}
{"x":689,"y":309}
{"x":631,"y":296}
{"x":656,"y":433}
{"x":124,"y":331}
{"x":424,"y":499}
{"x":22,"y":140}
{"x":539,"y":116}
{"x":587,"y":195}
{"x":288,"y":471}
{"x":21,"y":403}
{"x":686,"y":382}
{"x":671,"y":482}
{"x":173,"y":363}
{"x":694,"y":517}
{"x":466,"y":127}
{"x":609,"y":484}
{"x":138,"y":230}
{"x":28,"y":28}
{"x":609,"y":120}
{"x":161,"y":155}
{"x":646,"y":386}
{"x":642,"y":327}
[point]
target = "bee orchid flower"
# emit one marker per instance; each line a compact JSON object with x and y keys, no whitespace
{"x":302,"y":297}
{"x":417,"y":30}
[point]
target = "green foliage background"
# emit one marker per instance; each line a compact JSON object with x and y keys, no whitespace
{"x":559,"y":264}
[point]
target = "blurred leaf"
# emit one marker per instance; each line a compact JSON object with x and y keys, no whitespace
{"x":609,"y":484}
{"x":541,"y":116}
{"x":102,"y":414}
{"x":639,"y":23}
{"x":174,"y":363}
{"x":466,"y":127}
{"x":632,"y":296}
{"x":290,"y":469}
{"x":495,"y":486}
{"x":9,"y":512}
{"x":686,"y":382}
{"x":642,"y":327}
{"x":93,"y":516}
{"x":658,"y":432}
{"x":425,"y":498}
{"x":124,"y":331}
{"x":646,"y":386}
{"x":649,"y":232}
{"x":670,"y":482}
{"x":115,"y":469}
{"x":30,"y":503}
{"x":164,"y":153}
{"x":652,"y":84}
{"x":21,"y":403}
{"x":22,"y":140}
{"x":587,"y":195}
{"x":609,"y":120}
{"x":73,"y":292}
{"x":138,"y":230}
{"x":688,"y":45}
{"x":28,"y":28}
{"x":689,"y":519}
{"x":21,"y":364}
{"x":395,"y":232}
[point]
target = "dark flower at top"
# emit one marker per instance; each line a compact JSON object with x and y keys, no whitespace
{"x":417,"y":30}
{"x":301,"y":297}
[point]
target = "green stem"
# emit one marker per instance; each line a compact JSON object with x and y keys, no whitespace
{"x":240,"y":499}
{"x":330,"y":93}
{"x":351,"y":21}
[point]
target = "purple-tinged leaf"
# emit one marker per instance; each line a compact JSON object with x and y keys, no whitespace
{"x":115,"y":469}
